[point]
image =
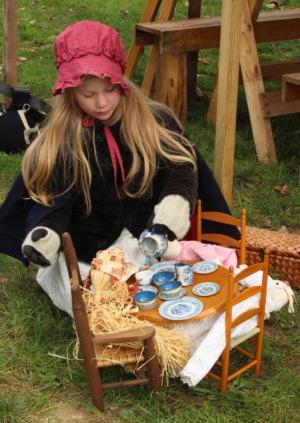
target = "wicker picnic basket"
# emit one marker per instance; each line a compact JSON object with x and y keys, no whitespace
{"x":284,"y":251}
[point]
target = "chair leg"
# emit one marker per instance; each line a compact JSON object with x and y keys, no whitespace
{"x":258,"y":354}
{"x":94,"y":381}
{"x":153,"y":368}
{"x":225,"y":370}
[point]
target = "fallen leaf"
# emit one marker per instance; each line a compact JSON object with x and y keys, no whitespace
{"x":274,"y":4}
{"x":204,"y":60}
{"x":199,"y":92}
{"x":124,"y":13}
{"x":283,"y":230}
{"x":282,"y":188}
{"x":266,"y":223}
{"x":21,"y":59}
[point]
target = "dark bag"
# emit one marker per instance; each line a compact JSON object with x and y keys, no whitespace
{"x":19,"y":123}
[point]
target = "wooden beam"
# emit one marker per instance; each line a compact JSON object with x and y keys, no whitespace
{"x":10,"y":41}
{"x":227,"y":95}
{"x":254,"y":86}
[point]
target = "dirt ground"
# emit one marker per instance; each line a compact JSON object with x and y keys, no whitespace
{"x":64,"y":413}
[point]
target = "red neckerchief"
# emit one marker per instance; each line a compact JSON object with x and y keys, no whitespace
{"x":115,"y":156}
{"x":114,"y":152}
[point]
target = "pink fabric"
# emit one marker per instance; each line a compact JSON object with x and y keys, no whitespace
{"x":88,"y":48}
{"x":115,"y":156}
{"x":195,"y":250}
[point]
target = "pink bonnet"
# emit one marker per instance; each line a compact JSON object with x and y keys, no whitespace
{"x":88,"y":48}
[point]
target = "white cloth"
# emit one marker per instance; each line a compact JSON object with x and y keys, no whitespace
{"x":54,"y":280}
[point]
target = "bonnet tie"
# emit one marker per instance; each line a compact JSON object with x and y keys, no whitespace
{"x":115,"y":156}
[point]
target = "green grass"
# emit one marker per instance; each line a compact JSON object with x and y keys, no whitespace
{"x":34,"y":380}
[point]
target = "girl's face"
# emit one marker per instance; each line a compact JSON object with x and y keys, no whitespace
{"x":98,"y":98}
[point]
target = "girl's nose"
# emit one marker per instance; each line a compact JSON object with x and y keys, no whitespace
{"x":100,"y":101}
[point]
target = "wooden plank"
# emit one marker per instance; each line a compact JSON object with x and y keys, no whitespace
{"x":203,"y":33}
{"x":269,"y":70}
{"x":227,"y":95}
{"x":290,"y":89}
{"x":293,"y":78}
{"x":275,"y":70}
{"x":10,"y":41}
{"x":171,"y":84}
{"x":254,"y":86}
{"x":272,"y":105}
{"x":165,"y":13}
{"x":135,"y":51}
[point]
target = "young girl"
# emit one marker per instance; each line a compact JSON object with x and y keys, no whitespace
{"x":108,"y":163}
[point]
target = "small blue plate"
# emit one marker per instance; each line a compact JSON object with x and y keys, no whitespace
{"x":181,"y":309}
{"x":206,"y":289}
{"x":204,"y":267}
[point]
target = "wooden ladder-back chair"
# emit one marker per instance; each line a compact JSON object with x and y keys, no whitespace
{"x":93,"y":346}
{"x":215,"y":238}
{"x":236,"y":296}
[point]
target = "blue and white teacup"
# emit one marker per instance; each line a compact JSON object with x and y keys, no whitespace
{"x":184,"y":273}
{"x":154,"y":245}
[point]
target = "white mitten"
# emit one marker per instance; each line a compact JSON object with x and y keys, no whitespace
{"x":174,"y":248}
{"x":41,"y":246}
{"x":173,"y":211}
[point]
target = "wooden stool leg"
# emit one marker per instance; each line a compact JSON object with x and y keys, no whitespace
{"x":10,"y":43}
{"x":171,"y":83}
{"x":254,"y":86}
{"x":135,"y":51}
{"x":165,"y":13}
{"x":212,"y":108}
{"x":194,"y":11}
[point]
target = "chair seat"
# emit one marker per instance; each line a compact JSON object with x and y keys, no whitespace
{"x":113,"y":355}
{"x":242,"y":338}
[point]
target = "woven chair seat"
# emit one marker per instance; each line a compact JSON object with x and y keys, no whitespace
{"x":113,"y":355}
{"x":284,"y":251}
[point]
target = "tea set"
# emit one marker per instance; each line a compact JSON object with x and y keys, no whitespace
{"x":167,"y":280}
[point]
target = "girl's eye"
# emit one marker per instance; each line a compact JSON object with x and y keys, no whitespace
{"x":87,"y":95}
{"x":110,"y":89}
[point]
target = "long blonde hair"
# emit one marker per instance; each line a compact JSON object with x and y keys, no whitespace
{"x":63,"y":144}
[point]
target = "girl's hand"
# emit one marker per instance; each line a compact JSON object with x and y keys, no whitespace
{"x":41,"y":246}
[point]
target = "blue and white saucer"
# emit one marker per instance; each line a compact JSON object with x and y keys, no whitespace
{"x":182,"y":309}
{"x":204,"y":267}
{"x":206,"y":289}
{"x":167,"y":297}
